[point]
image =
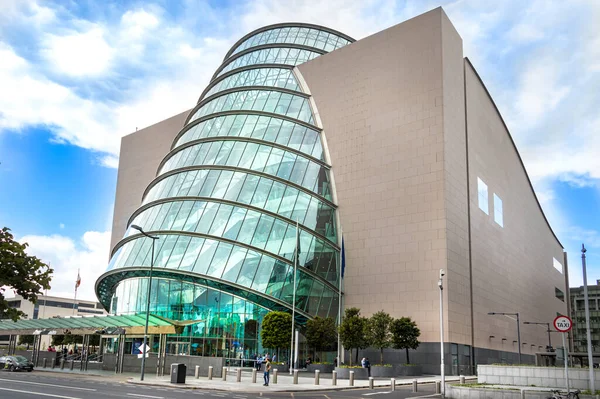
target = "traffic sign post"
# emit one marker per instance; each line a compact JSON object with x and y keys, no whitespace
{"x":564,"y":324}
{"x":144,"y":351}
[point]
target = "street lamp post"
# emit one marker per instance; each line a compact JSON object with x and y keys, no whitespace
{"x":144,"y":345}
{"x":518,"y":327}
{"x":442,"y":363}
{"x":548,"y":330}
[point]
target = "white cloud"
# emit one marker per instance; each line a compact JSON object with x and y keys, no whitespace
{"x":88,"y":254}
{"x":79,"y":54}
{"x":62,"y":226}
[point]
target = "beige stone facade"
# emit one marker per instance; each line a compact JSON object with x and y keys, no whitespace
{"x":409,"y":128}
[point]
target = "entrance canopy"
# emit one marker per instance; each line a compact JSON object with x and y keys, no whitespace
{"x":82,"y":325}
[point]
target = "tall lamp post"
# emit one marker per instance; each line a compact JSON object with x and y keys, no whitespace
{"x":548,"y":330}
{"x":144,"y":345}
{"x":442,"y":363}
{"x":518,"y":327}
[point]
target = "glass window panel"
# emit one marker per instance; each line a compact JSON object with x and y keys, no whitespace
{"x":275,"y":196}
{"x":276,"y":237}
{"x":248,"y":157}
{"x":311,"y":175}
{"x":272,"y":101}
{"x":219,"y":260}
{"x":261,"y":127}
{"x":183,"y":214}
{"x":289,"y":243}
{"x":296,"y":106}
{"x":204,"y":258}
{"x":237,"y":125}
{"x":274,"y":161}
{"x":278,"y":279}
{"x":209,"y":183}
{"x":211,"y":155}
{"x":285,"y":133}
{"x":297,"y":137}
{"x":235,"y":186}
{"x":178,"y":252}
{"x":288,"y":202}
{"x":234,"y":223}
{"x":198,"y":182}
{"x":482,"y":192}
{"x":263,"y":274}
{"x":187,"y":183}
{"x":263,"y":230}
{"x":249,"y":269}
{"x":165,"y":251}
{"x":285,"y":169}
{"x":262,"y":192}
{"x":273,"y":129}
{"x":299,"y":170}
{"x":236,"y":153}
{"x":195,"y":214}
{"x":207,"y":217}
{"x":305,"y":113}
{"x":284,"y":103}
{"x":191,"y":253}
{"x":312,"y":213}
{"x":222,"y":183}
{"x":301,"y":207}
{"x":306,"y":240}
{"x":234,"y":264}
{"x":224,"y":153}
{"x":248,"y":189}
{"x":170,"y":216}
{"x":260,"y":160}
{"x":315,"y":297}
{"x":325,"y":303}
{"x":218,"y":226}
{"x":261,"y":99}
{"x":303,"y":291}
{"x":248,"y":227}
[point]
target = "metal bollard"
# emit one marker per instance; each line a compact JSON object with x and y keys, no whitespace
{"x":53,"y":363}
{"x":522,"y":394}
{"x":44,"y":362}
{"x":393,"y":384}
{"x":239,"y":375}
{"x":62,"y":364}
{"x":275,"y":372}
{"x":351,"y":379}
{"x":72,"y":364}
{"x":334,"y":378}
{"x":197,"y":372}
{"x":438,"y":387}
{"x":254,"y":376}
{"x":317,"y":372}
{"x":210,"y":372}
{"x":371,"y":379}
{"x":414,"y":385}
{"x":462,"y":379}
{"x":295,"y":377}
{"x":224,"y":374}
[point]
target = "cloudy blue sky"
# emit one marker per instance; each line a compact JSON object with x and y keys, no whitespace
{"x":75,"y":76}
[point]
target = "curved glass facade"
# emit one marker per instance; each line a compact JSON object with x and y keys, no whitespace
{"x":246,"y":169}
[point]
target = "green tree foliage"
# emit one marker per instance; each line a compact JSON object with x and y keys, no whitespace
{"x":321,"y":334}
{"x":276,"y":330}
{"x":405,"y":334}
{"x":378,"y":331}
{"x":25,"y":274}
{"x":26,"y":339}
{"x":58,"y":340}
{"x":352,"y":331}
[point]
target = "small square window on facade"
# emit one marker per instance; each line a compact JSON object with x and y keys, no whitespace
{"x":557,"y":265}
{"x":482,"y":195}
{"x":559,"y":294}
{"x":498,"y":212}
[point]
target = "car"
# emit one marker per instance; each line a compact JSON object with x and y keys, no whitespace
{"x":15,"y":363}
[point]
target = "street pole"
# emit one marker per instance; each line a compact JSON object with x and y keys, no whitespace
{"x":519,"y":337}
{"x":566,"y":353}
{"x":442,"y":365}
{"x":339,"y":346}
{"x":145,"y":351}
{"x":587,"y":322}
{"x":292,"y":363}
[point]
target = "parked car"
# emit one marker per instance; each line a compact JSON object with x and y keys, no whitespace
{"x":15,"y":363}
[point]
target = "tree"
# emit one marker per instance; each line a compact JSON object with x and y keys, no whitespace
{"x":58,"y":340}
{"x":378,"y":331}
{"x":405,"y":334}
{"x":321,"y":334}
{"x":25,"y":274}
{"x":352,"y":331}
{"x":276,"y":330}
{"x":26,"y":339}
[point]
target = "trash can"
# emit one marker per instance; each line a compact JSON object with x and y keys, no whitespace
{"x":178,"y":373}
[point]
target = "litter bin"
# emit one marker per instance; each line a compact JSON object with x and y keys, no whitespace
{"x":178,"y":373}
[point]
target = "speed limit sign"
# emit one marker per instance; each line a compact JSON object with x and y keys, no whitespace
{"x":563,"y":324}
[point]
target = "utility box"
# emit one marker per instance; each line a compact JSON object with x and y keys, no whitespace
{"x":178,"y":371}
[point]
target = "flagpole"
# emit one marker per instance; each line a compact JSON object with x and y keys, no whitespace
{"x":292,"y":360}
{"x":339,"y":348}
{"x":75,"y":296}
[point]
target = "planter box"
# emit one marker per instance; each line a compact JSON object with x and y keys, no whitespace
{"x":403,"y":370}
{"x":359,"y":373}
{"x":323,"y":368}
{"x":281,"y":368}
{"x":382,"y":371}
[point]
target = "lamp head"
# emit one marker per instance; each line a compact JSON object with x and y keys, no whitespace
{"x":138,"y":228}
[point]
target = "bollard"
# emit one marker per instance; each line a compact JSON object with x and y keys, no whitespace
{"x":295,"y":377}
{"x":371,"y":380}
{"x":239,"y":375}
{"x":393,"y":384}
{"x":317,"y":372}
{"x":522,"y":394}
{"x":351,"y":379}
{"x":334,"y":378}
{"x":254,"y":376}
{"x":53,"y":363}
{"x":62,"y":364}
{"x":438,"y":387}
{"x":224,"y":374}
{"x":414,"y":385}
{"x":197,"y":372}
{"x":72,"y":364}
{"x":44,"y":363}
{"x":210,"y":372}
{"x":275,"y":376}
{"x":462,"y":379}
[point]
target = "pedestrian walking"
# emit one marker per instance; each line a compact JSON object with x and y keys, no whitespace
{"x":368,"y":366}
{"x":266,"y":373}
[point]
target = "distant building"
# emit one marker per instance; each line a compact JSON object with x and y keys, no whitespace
{"x":578,"y":315}
{"x":53,"y":306}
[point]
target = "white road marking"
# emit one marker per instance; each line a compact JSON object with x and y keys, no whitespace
{"x":377,"y":393}
{"x":49,"y":385}
{"x":145,"y":396}
{"x":39,"y":393}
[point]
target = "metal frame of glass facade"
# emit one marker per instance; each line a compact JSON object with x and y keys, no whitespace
{"x":247,"y":165}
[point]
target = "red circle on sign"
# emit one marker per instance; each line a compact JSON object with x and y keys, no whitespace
{"x":563,"y":323}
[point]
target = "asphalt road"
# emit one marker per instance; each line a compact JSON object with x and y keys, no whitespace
{"x":42,"y":385}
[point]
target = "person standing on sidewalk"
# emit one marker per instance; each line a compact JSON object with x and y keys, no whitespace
{"x":266,"y":373}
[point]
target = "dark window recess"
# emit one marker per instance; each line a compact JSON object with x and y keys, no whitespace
{"x":559,"y":294}
{"x":56,"y":304}
{"x":86,"y":305}
{"x":14,"y":304}
{"x":36,"y":312}
{"x":90,"y":311}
